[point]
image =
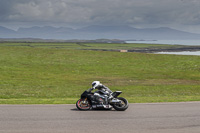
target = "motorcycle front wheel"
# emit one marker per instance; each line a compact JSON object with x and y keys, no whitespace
{"x":83,"y":104}
{"x":122,"y":106}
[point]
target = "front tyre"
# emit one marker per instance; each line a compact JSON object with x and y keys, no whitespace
{"x":122,"y":106}
{"x":83,"y":104}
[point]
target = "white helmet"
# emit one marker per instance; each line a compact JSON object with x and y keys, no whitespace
{"x":95,"y":84}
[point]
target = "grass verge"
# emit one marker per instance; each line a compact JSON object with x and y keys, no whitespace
{"x":52,"y":75}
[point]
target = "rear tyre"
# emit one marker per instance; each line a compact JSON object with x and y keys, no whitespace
{"x":83,"y":104}
{"x":122,"y":106}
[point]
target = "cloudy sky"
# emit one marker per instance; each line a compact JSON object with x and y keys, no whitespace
{"x":179,"y":14}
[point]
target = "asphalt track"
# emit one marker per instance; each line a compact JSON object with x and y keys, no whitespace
{"x":138,"y":118}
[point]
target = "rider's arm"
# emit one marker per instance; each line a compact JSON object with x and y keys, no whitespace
{"x":90,"y":89}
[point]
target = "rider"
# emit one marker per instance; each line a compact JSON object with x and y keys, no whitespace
{"x":105,"y":90}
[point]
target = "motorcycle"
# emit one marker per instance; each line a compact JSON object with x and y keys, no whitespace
{"x":98,"y":100}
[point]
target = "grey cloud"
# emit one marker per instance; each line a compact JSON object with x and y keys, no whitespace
{"x":106,"y":12}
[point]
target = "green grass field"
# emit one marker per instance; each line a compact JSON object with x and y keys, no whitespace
{"x":57,"y":73}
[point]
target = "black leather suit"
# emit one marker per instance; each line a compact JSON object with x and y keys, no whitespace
{"x":102,"y":89}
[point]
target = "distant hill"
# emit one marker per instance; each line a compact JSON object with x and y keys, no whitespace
{"x":123,"y":32}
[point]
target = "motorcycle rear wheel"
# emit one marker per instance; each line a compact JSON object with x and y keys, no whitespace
{"x":121,"y":106}
{"x":83,"y":104}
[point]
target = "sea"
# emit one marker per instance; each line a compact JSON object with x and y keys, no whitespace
{"x":172,"y":42}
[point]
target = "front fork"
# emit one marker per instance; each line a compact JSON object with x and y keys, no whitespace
{"x":85,"y":100}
